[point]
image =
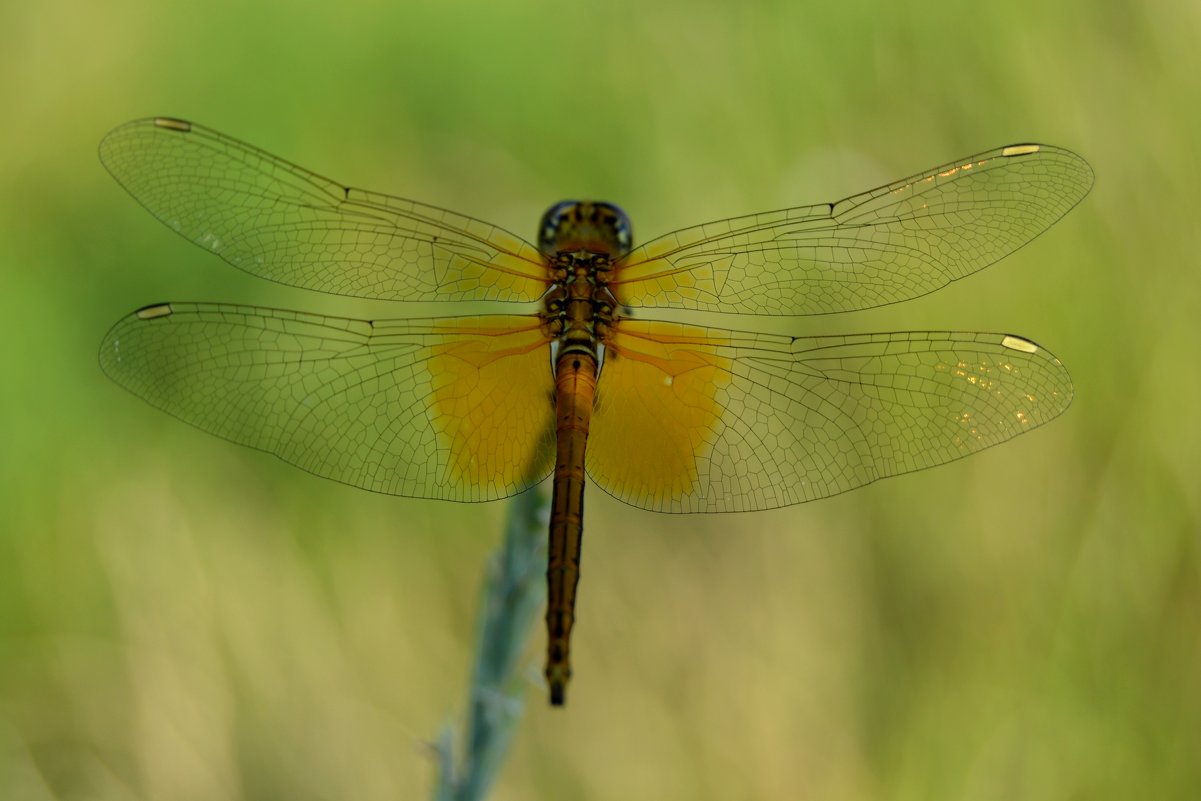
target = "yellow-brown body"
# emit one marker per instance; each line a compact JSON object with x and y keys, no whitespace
{"x":582,"y":241}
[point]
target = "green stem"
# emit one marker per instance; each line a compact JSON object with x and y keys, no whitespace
{"x":513,"y":594}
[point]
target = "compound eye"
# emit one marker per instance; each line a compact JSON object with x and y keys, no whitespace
{"x":552,"y":222}
{"x":622,"y":235}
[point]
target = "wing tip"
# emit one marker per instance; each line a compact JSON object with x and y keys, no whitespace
{"x":113,"y":141}
{"x":1083,"y":168}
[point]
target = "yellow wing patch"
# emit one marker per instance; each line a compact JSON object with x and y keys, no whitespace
{"x":656,"y":413}
{"x":491,"y":401}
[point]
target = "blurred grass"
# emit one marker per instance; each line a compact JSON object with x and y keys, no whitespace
{"x":183,"y":619}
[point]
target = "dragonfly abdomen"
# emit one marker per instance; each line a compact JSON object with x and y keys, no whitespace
{"x":575,"y":390}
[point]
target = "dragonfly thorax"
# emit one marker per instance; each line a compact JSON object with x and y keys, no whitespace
{"x":572,"y":226}
{"x":579,"y":308}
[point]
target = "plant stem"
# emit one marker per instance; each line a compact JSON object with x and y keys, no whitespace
{"x":514,"y":592}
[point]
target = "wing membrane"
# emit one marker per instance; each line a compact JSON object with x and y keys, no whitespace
{"x":458,"y":409}
{"x":883,"y":246}
{"x":693,"y":419}
{"x":281,"y":222}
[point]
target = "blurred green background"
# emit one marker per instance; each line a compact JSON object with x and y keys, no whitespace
{"x":181,"y":618}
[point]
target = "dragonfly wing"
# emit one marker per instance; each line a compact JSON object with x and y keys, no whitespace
{"x":456,"y":409}
{"x":691,"y":419}
{"x":883,"y":246}
{"x":281,"y":222}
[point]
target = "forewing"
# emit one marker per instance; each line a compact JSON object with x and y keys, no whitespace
{"x":887,"y":245}
{"x":457,"y":409}
{"x":281,"y":222}
{"x":691,"y":419}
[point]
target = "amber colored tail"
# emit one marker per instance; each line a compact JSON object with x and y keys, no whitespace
{"x":575,"y":389}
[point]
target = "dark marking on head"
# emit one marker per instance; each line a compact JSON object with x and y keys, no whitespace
{"x":575,"y":225}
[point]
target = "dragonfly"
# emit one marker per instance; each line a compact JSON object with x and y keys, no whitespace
{"x":581,"y":381}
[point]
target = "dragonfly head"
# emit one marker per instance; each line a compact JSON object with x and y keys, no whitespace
{"x":575,"y":225}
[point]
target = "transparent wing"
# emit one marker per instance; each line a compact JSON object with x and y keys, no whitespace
{"x":691,"y":419}
{"x":283,"y":223}
{"x":883,"y":246}
{"x":457,"y":409}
